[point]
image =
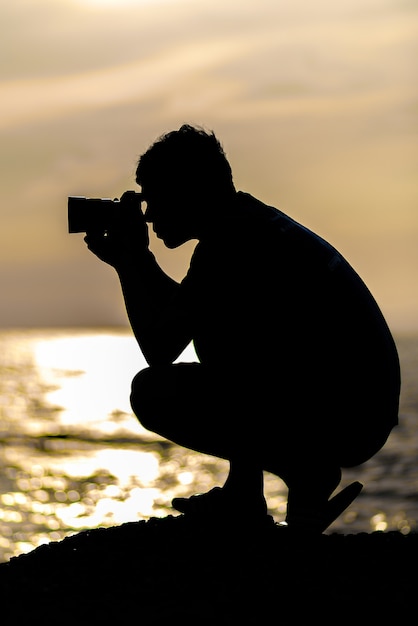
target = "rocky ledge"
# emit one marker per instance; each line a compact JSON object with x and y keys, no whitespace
{"x":173,"y":570}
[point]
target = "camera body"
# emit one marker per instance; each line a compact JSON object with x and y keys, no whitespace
{"x":98,"y":214}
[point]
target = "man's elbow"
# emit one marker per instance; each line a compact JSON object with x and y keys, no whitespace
{"x":158,"y":357}
{"x":164,"y":352}
{"x":158,"y":360}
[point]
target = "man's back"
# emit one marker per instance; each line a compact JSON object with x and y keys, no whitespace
{"x":264,"y":287}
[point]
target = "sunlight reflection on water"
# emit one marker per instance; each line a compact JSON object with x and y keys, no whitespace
{"x":73,"y":455}
{"x":89,"y":376}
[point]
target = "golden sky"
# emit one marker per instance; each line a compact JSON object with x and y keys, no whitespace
{"x":314,"y":102}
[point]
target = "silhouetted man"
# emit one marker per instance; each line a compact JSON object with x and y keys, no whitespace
{"x":298,"y":373}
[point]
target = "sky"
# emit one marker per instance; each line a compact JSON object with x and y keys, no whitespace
{"x":315,"y":104}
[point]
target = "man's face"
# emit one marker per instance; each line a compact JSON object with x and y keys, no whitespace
{"x":171,"y":214}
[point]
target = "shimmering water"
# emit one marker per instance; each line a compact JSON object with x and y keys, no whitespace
{"x":73,"y":456}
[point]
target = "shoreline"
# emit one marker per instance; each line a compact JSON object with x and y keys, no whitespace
{"x":171,"y":568}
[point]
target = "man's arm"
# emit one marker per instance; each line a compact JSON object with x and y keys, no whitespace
{"x":152,"y":305}
{"x":151,"y":296}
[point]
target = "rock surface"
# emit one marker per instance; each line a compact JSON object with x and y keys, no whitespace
{"x":174,"y":570}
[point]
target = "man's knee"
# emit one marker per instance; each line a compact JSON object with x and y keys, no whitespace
{"x":144,"y":390}
{"x":158,"y":394}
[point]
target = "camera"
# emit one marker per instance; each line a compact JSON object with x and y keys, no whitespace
{"x":98,"y":214}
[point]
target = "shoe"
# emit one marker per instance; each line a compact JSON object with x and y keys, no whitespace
{"x":217,"y":505}
{"x":201,"y":504}
{"x":318,"y":521}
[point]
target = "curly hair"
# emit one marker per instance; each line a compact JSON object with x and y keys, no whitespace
{"x":190,"y":154}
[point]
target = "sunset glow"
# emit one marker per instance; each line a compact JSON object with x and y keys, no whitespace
{"x":313,"y":102}
{"x":115,"y":4}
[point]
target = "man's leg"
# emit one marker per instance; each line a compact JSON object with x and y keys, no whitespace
{"x":185,"y":404}
{"x":181,"y":403}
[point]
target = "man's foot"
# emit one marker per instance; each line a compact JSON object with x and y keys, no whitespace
{"x":201,"y":504}
{"x":219,"y":503}
{"x":318,"y":520}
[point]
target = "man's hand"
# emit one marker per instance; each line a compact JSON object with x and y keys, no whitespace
{"x":126,"y":238}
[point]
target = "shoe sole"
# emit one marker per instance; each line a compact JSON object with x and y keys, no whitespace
{"x":339,"y":503}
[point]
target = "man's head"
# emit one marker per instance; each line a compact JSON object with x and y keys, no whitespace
{"x":184,"y":176}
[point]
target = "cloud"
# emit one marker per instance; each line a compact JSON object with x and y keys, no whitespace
{"x":283,"y":68}
{"x":32,"y":100}
{"x":314,"y":103}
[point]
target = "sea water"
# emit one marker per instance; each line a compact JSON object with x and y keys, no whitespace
{"x":73,"y":456}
